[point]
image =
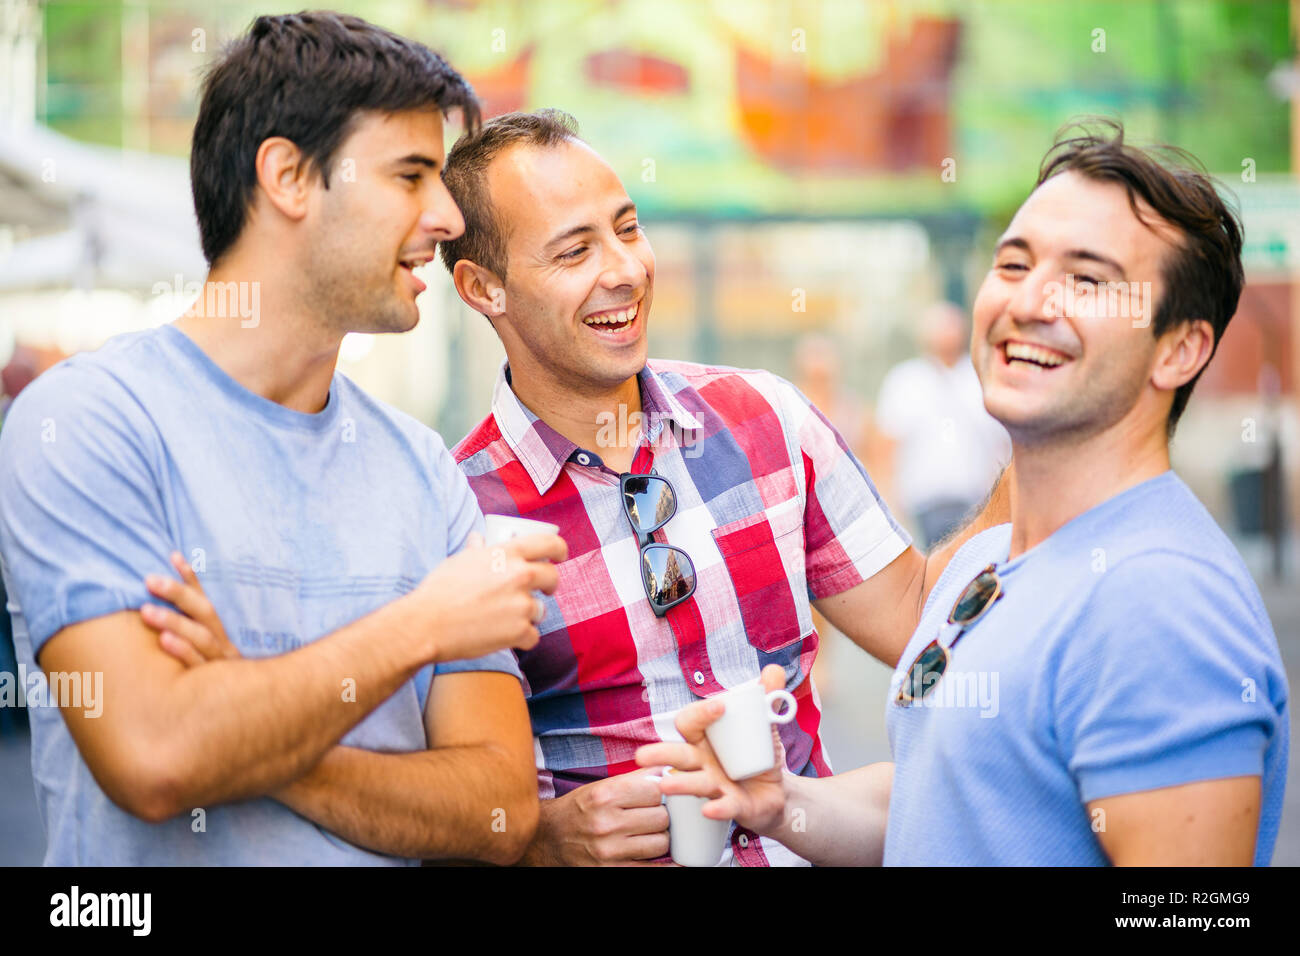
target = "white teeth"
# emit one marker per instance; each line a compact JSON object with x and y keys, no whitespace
{"x":613,"y":318}
{"x":1032,"y":353}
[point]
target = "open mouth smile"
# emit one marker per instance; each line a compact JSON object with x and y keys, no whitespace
{"x":615,"y":324}
{"x":1030,"y":356}
{"x":410,"y":263}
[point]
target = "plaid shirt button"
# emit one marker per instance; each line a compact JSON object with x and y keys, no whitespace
{"x":743,"y":840}
{"x":699,"y":677}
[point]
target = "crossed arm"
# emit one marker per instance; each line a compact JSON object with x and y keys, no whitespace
{"x":471,"y":795}
{"x":186,"y":722}
{"x":171,"y":738}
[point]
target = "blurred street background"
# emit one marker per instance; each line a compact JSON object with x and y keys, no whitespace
{"x":815,"y":177}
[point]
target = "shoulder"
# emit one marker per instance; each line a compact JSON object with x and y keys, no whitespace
{"x":424,"y":443}
{"x":735,"y":395}
{"x":96,"y":397}
{"x":1162,"y":547}
{"x":1170,"y":595}
{"x":715,"y":380}
{"x":355,"y":401}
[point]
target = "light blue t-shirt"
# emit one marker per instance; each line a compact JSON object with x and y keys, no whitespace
{"x":1129,"y":651}
{"x":298,"y":524}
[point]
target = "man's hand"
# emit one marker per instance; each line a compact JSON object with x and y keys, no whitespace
{"x":618,"y":820}
{"x":481,"y":599}
{"x":195,"y":635}
{"x":758,"y":803}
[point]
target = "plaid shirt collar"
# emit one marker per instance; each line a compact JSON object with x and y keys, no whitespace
{"x":543,"y":451}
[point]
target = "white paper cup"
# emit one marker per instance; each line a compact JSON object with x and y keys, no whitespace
{"x":501,"y":528}
{"x":742,"y":737}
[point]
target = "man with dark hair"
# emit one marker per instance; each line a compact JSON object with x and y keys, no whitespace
{"x":365,"y":707}
{"x":1111,"y":628}
{"x":707,"y":509}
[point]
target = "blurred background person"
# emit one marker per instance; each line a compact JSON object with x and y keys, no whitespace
{"x":937,"y":450}
{"x":818,"y":373}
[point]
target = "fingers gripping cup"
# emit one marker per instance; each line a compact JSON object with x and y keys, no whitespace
{"x":742,"y":737}
{"x":498,"y":529}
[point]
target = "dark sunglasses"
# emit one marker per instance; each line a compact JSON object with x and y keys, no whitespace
{"x":667,"y":573}
{"x":933,"y":660}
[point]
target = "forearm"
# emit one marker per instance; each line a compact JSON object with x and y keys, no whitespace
{"x":240,"y":728}
{"x":466,"y":803}
{"x":545,"y":848}
{"x":839,"y":820}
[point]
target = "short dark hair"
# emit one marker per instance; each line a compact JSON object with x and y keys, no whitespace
{"x":484,"y":240}
{"x":1204,"y":277}
{"x":304,"y":76}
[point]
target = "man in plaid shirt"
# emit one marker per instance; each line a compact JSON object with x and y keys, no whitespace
{"x":773,"y":513}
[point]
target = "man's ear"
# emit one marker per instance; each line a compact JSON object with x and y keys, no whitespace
{"x":1181,"y":353}
{"x":479,"y":288}
{"x":284,"y":176}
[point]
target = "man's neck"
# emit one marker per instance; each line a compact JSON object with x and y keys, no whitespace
{"x":1055,"y":482}
{"x":275,"y":349}
{"x":590,"y":418}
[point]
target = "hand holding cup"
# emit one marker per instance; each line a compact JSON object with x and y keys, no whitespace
{"x":756,"y":803}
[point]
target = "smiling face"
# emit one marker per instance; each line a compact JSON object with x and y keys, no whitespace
{"x":385,"y":210}
{"x":579,"y":273}
{"x":1060,"y":349}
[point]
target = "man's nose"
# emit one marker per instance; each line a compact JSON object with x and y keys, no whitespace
{"x":622,"y":265}
{"x":442,"y":218}
{"x":1038,"y":297}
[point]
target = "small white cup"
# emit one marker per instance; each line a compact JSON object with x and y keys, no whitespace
{"x":742,"y":737}
{"x":501,"y":528}
{"x":693,"y":838}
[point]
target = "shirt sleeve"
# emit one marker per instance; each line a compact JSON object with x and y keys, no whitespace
{"x":83,"y":520}
{"x":464,"y":516}
{"x":1167,"y":679}
{"x":849,"y":533}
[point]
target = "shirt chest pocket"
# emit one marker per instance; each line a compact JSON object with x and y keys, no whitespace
{"x":764,"y":556}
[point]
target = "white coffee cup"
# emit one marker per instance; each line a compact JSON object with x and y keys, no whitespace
{"x":742,"y":737}
{"x":693,"y":838}
{"x":501,"y":528}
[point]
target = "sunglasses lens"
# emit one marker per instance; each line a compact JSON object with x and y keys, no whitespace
{"x":668,"y":574}
{"x":974,"y":599}
{"x":927,"y":670}
{"x":650,"y":502}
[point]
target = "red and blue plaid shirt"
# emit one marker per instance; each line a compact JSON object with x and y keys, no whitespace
{"x":773,"y":510}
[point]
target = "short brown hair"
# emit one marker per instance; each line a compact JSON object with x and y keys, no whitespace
{"x":484,"y":240}
{"x":1204,"y":278}
{"x":307,"y":77}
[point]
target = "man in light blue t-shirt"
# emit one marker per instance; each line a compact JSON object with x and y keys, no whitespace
{"x":1097,"y":681}
{"x":367,"y":708}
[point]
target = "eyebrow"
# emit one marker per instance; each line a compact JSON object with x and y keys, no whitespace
{"x":623,"y":210}
{"x":416,"y":159}
{"x":1090,"y":256}
{"x":1085,"y":254}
